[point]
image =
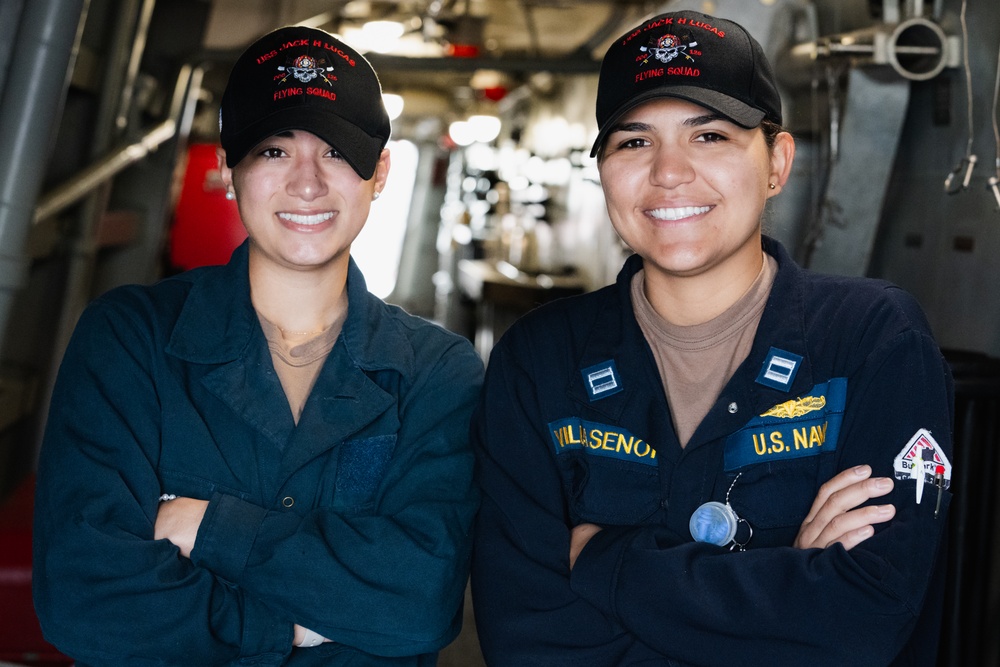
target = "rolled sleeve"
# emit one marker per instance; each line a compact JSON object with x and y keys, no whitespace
{"x":226,"y":536}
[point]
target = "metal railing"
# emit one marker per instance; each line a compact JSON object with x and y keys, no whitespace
{"x":91,"y":177}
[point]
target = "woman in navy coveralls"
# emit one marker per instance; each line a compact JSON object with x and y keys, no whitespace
{"x":262,"y":463}
{"x":776,"y":505}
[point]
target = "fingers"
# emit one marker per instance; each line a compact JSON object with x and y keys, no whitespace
{"x":865,"y":520}
{"x":838,"y":483}
{"x":845,"y":491}
{"x":837,"y":515}
{"x":852,"y":528}
{"x":579,"y":537}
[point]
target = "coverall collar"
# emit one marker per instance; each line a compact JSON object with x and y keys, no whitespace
{"x":218,"y":321}
{"x":615,"y":329}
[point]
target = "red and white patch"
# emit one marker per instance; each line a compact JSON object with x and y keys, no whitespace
{"x":922,"y":454}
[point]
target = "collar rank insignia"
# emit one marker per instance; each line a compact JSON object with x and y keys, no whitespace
{"x":602,"y":380}
{"x":779,"y":369}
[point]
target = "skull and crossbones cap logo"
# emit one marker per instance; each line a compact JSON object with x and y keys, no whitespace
{"x":299,"y":78}
{"x":692,"y":56}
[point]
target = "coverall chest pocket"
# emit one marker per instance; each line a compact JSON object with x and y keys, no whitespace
{"x":775,"y":497}
{"x":607,"y":491}
{"x":353,"y":471}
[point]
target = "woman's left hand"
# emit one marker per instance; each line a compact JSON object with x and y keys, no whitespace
{"x":835,"y":515}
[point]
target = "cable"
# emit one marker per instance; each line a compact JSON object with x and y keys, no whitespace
{"x":994,"y":182}
{"x":968,"y":73}
{"x":951,"y":185}
{"x":996,"y":127}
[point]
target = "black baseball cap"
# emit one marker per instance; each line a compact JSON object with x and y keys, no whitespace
{"x":298,"y":78}
{"x":692,"y":56}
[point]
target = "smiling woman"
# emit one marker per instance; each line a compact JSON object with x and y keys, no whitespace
{"x":303,"y":205}
{"x":685,"y":189}
{"x":766,"y":400}
{"x":231,"y":453}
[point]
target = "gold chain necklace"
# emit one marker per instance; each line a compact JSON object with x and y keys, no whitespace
{"x":302,"y":333}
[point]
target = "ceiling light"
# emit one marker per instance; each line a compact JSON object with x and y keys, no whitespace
{"x":383,"y":30}
{"x":461,"y":133}
{"x":477,"y":128}
{"x":487,"y":127}
{"x":378,"y":36}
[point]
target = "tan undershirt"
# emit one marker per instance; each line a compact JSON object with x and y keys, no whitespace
{"x":695,"y":362}
{"x":298,"y":365}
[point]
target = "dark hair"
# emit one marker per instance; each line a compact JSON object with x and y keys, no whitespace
{"x":771,"y":131}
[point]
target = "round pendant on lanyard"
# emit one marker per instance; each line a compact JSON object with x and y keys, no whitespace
{"x":716,"y":523}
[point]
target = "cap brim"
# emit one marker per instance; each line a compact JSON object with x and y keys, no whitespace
{"x":357,"y":147}
{"x":730,"y":108}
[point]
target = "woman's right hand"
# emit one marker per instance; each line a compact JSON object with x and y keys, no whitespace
{"x":301,"y":634}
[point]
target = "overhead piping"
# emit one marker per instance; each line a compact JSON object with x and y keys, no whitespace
{"x":107,"y":167}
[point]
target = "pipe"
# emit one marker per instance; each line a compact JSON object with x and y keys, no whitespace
{"x":102,"y":171}
{"x":139,"y":36}
{"x":47,"y":42}
{"x":10,"y":12}
{"x":917,"y":49}
{"x":181,"y":112}
{"x":890,"y":11}
{"x":113,"y":104}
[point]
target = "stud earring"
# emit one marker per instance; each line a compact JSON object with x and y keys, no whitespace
{"x":771,"y":186}
{"x":230,"y":195}
{"x":376,"y":195}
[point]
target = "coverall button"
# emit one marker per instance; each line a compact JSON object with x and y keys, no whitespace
{"x":733,"y":408}
{"x":288,"y":501}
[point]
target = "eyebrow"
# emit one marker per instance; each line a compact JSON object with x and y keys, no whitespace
{"x":630,"y":127}
{"x":705,"y":119}
{"x":693,"y":121}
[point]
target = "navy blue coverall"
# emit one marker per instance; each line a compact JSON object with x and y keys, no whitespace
{"x":574,"y":427}
{"x":355,"y":523}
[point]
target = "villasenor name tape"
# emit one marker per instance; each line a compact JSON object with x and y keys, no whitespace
{"x":575,"y":434}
